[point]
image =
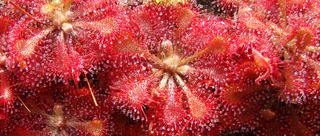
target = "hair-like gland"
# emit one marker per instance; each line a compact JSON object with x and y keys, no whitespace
{"x":4,"y":23}
{"x":197,"y":108}
{"x":6,"y":94}
{"x":26,"y":48}
{"x":134,"y":94}
{"x":172,"y":115}
{"x":201,"y":113}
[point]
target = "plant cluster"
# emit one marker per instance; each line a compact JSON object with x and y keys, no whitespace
{"x":163,"y":67}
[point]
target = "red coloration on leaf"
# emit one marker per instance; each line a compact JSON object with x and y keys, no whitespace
{"x":58,"y":39}
{"x":110,"y":67}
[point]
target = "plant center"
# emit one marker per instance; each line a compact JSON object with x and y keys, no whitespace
{"x":60,"y":14}
{"x":171,"y":64}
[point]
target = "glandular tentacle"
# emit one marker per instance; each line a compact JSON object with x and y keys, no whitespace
{"x":216,"y":46}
